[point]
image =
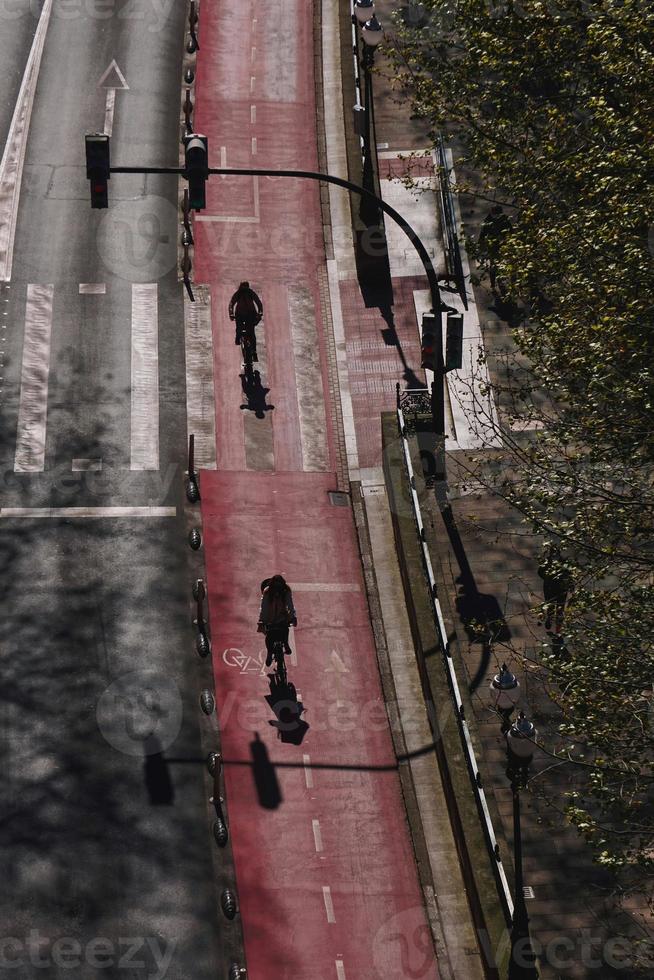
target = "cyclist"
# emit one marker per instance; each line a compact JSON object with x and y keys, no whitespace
{"x":247,"y":309}
{"x":276,"y":614}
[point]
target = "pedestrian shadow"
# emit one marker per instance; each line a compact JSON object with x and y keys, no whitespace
{"x":479,"y":612}
{"x":158,"y":783}
{"x":255,"y":395}
{"x":283,"y":700}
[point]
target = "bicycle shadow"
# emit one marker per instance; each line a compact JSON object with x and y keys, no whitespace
{"x":283,"y":700}
{"x":255,"y":395}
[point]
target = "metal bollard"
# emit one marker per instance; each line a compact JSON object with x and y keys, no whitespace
{"x":207,"y":702}
{"x":195,"y":538}
{"x":220,"y":833}
{"x":188,"y":109}
{"x":228,"y":903}
{"x":237,"y":972}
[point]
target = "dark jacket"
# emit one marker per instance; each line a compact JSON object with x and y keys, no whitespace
{"x":246,"y":305}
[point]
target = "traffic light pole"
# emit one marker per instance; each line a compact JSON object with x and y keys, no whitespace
{"x":437,"y":305}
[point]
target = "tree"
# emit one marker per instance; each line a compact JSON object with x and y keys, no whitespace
{"x":552,"y":104}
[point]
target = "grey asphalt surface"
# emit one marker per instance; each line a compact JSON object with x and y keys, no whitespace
{"x":104,"y":831}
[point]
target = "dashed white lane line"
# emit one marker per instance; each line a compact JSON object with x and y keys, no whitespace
{"x":308,"y":774}
{"x":145,"y":378}
{"x":329,"y":905}
{"x":93,"y":288}
{"x":33,"y":408}
{"x":253,"y":114}
{"x":88,"y":511}
{"x":253,"y":54}
{"x":85,"y":465}
{"x":340,"y":970}
{"x":252,"y":81}
{"x":317,"y":835}
{"x":254,"y":146}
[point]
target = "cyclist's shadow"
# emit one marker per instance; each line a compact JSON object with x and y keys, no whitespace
{"x":255,"y":395}
{"x":290,"y":725}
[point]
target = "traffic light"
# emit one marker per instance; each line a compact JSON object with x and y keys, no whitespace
{"x":431,"y":336}
{"x":196,"y":169}
{"x":454,"y":342}
{"x":97,"y":168}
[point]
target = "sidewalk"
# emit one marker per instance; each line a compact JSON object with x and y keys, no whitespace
{"x":482,"y":555}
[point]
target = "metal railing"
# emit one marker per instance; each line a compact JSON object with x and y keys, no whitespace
{"x":418,"y":399}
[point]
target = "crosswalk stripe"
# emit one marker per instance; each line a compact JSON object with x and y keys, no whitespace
{"x":145,"y":378}
{"x":200,"y":401}
{"x":308,"y":379}
{"x":33,"y":407}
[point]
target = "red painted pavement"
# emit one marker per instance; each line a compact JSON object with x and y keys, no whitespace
{"x":259,"y":523}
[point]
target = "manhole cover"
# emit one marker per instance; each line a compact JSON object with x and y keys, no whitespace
{"x":338,"y":498}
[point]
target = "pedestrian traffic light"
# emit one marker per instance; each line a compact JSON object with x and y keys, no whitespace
{"x":196,"y":169}
{"x":454,"y":342}
{"x":97,"y":168}
{"x":431,"y":336}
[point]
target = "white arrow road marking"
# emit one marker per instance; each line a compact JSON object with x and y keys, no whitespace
{"x":336,"y":663}
{"x":13,"y":158}
{"x":117,"y":81}
{"x":340,"y":970}
{"x":122,"y":84}
{"x":110,"y":105}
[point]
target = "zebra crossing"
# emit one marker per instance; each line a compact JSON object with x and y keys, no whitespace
{"x":280,"y":427}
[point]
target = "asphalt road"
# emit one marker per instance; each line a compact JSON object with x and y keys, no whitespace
{"x":105,"y":852}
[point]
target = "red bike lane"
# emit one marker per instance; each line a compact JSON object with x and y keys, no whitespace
{"x":326,"y":875}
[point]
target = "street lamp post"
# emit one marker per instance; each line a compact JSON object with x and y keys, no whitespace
{"x":372,"y":34}
{"x":505,"y":692}
{"x":520,"y":750}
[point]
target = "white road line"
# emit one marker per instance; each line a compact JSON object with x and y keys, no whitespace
{"x":144,"y":442}
{"x":254,"y":146}
{"x":326,"y":587}
{"x":253,"y":114}
{"x":223,"y":160}
{"x":237,"y":219}
{"x":340,"y":970}
{"x":33,"y":409}
{"x":84,"y":465}
{"x":92,"y":288}
{"x":13,"y":158}
{"x":200,"y":404}
{"x":329,"y":905}
{"x":253,"y":54}
{"x":252,"y":81}
{"x":88,"y":511}
{"x":317,"y":835}
{"x":308,"y":774}
{"x":109,"y":106}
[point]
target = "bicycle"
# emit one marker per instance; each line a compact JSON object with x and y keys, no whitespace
{"x":279,"y":661}
{"x":247,"y":353}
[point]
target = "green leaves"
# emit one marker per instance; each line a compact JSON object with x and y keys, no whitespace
{"x":553,"y":102}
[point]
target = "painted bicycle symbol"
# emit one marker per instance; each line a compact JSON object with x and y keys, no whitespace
{"x":234,"y":657}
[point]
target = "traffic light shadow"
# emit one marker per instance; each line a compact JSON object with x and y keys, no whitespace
{"x":255,"y":394}
{"x":265,"y":777}
{"x":291,"y":727}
